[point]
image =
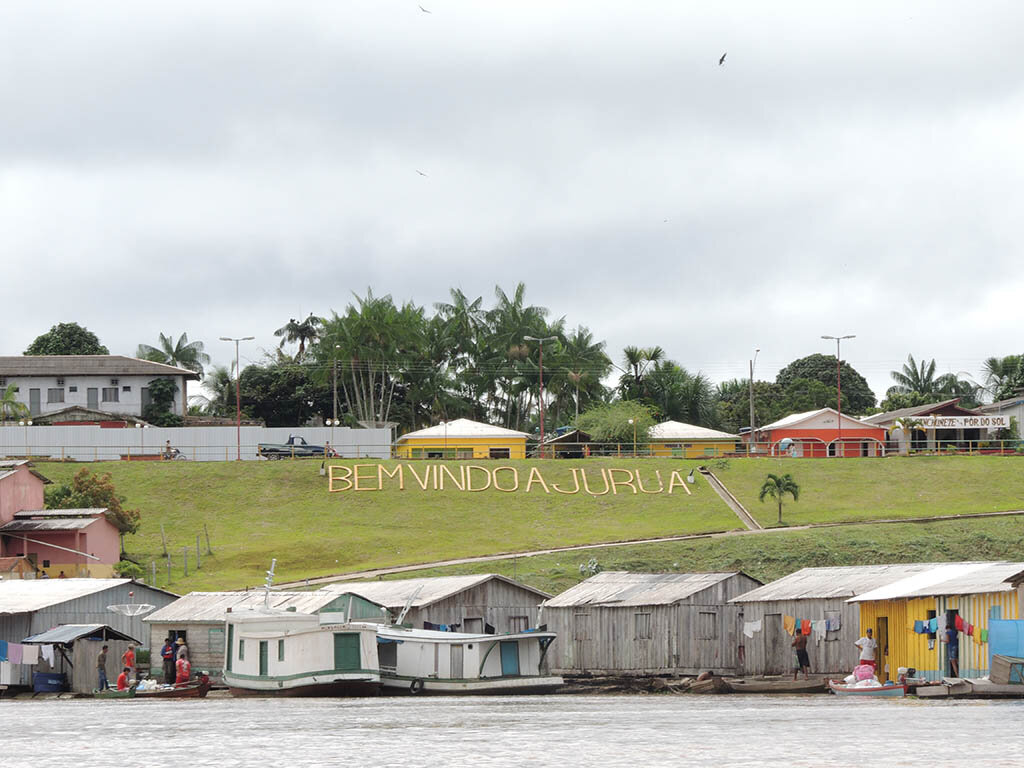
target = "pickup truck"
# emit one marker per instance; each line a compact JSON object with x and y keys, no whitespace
{"x":296,"y":447}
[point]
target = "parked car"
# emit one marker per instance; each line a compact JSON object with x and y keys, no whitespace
{"x":296,"y":447}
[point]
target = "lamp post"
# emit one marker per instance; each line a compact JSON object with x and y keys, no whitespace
{"x":335,"y":356}
{"x":26,"y":425}
{"x":238,"y":393}
{"x":540,"y":342}
{"x":753,"y":362}
{"x":839,"y":389}
{"x":633,"y":423}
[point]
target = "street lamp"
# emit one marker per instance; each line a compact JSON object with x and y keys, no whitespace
{"x":332,"y":423}
{"x":631,"y":421}
{"x":26,"y":425}
{"x":238,"y":393}
{"x":541,"y":367}
{"x":753,"y":362}
{"x":335,"y":361}
{"x":839,"y":389}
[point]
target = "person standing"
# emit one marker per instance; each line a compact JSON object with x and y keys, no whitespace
{"x":167,"y":653}
{"x":953,"y":649}
{"x":803,"y":661}
{"x":182,"y":649}
{"x":867,"y":646}
{"x":101,"y":669}
{"x":128,"y":660}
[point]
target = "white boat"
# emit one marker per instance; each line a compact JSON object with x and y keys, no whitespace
{"x":287,"y":653}
{"x":426,"y":661}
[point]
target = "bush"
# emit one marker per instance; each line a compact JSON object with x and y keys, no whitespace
{"x":126,"y":569}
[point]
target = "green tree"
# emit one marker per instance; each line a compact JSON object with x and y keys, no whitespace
{"x":10,"y":407}
{"x":907,"y":425}
{"x":182,"y":353}
{"x":635,"y":363}
{"x":283,"y":395}
{"x":67,"y":339}
{"x":577,"y":367}
{"x":301,"y":331}
{"x":1003,"y":376}
{"x":776,"y":487}
{"x":219,"y":384}
{"x":680,"y":395}
{"x":609,"y":423}
{"x":822,"y":368}
{"x":161,"y":401}
{"x":89,"y":491}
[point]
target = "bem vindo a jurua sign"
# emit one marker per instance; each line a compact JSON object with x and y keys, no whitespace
{"x":474,"y":478}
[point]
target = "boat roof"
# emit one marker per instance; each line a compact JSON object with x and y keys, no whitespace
{"x":620,"y":588}
{"x":394,"y":594}
{"x":970,"y":578}
{"x":211,"y":607}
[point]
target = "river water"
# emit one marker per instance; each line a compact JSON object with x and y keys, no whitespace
{"x":644,"y":731}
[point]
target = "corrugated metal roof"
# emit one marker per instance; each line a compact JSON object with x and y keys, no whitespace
{"x":27,"y":595}
{"x":625,"y":589}
{"x":394,"y":594}
{"x":48,"y":524}
{"x":84,"y":512}
{"x":795,"y":419}
{"x":881,"y":419}
{"x":463,"y":428}
{"x":837,"y":582}
{"x":975,"y":578}
{"x":677,"y":430}
{"x":87,"y":365}
{"x":211,"y":607}
{"x":68,"y":633}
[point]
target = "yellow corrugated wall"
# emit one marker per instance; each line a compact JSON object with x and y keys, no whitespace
{"x":909,"y":649}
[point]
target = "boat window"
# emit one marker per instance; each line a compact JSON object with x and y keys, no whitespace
{"x":280,"y":650}
{"x":518,"y":623}
{"x":387,"y":655}
{"x":643,"y":626}
{"x":241,"y":650}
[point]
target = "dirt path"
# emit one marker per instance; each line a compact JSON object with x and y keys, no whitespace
{"x":373,"y":573}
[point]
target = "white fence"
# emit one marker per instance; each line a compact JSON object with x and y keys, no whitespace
{"x":93,"y":443}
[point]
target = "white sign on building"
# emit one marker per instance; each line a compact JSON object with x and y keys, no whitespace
{"x":965,"y":422}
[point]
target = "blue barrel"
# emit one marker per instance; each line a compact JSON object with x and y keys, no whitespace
{"x":48,"y":682}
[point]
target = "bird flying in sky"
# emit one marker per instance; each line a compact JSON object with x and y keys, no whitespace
{"x":421,"y":173}
{"x":721,"y":61}
{"x":424,"y":9}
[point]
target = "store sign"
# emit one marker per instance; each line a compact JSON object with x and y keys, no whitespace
{"x":965,"y":422}
{"x":474,"y":478}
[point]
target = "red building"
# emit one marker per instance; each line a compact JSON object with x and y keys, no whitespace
{"x":822,"y":433}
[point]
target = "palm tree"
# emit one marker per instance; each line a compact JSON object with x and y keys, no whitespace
{"x":220,"y":386}
{"x":183,"y":353}
{"x":776,"y":487}
{"x":10,"y":408}
{"x":579,"y":364}
{"x":302,"y":331}
{"x":1003,"y":375}
{"x":915,"y":377}
{"x":636,"y":361}
{"x":907,"y":425}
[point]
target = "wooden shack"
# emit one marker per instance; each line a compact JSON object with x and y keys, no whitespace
{"x":816,"y":594}
{"x":975,"y":593}
{"x":476,"y":603}
{"x":618,"y":623}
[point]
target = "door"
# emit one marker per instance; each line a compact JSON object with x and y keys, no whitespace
{"x":509,"y":658}
{"x":33,"y":402}
{"x":775,"y":647}
{"x":92,"y":398}
{"x":144,"y":394}
{"x":882,"y":651}
{"x":457,"y":666}
{"x":263,"y":658}
{"x":346,"y":651}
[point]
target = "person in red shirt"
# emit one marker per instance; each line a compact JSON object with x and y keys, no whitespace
{"x":122,"y":680}
{"x":184,"y":670}
{"x":128,"y":658}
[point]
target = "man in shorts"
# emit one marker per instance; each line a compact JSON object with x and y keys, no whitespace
{"x":867,"y":646}
{"x":803,"y":661}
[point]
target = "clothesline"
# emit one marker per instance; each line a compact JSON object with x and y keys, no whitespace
{"x":17,"y":653}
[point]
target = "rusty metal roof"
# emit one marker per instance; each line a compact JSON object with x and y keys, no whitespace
{"x":837,"y":582}
{"x":211,"y":607}
{"x":617,"y":588}
{"x":972,"y":578}
{"x":394,"y":594}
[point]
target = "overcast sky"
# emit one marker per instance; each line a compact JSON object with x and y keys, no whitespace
{"x":217,"y":168}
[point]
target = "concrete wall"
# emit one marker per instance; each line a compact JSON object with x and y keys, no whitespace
{"x":93,"y":443}
{"x":129,"y":392}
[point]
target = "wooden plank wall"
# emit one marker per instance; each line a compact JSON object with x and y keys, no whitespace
{"x":495,"y":601}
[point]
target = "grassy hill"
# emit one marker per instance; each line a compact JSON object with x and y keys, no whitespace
{"x":257,"y":511}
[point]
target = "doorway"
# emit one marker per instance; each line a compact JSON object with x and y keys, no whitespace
{"x":775,"y":646}
{"x":882,"y":651}
{"x":509,"y":657}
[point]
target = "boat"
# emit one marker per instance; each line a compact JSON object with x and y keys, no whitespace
{"x":193,"y":689}
{"x":424,"y":661}
{"x":113,"y":693}
{"x":274,"y":652}
{"x":767,"y":685}
{"x":875,"y":691}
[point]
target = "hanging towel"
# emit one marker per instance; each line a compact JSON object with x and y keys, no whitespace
{"x":46,"y":651}
{"x":819,"y":627}
{"x":14,"y":652}
{"x":983,"y":635}
{"x":30,"y":654}
{"x":788,"y":624}
{"x":834,"y":624}
{"x":933,"y":626}
{"x":919,"y":626}
{"x":750,"y":627}
{"x":931,"y":642}
{"x":3,"y":650}
{"x":969,"y":629}
{"x":958,"y":622}
{"x":942,"y":626}
{"x":805,"y":626}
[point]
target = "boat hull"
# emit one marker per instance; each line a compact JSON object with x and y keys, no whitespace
{"x":113,"y":693}
{"x":307,"y":685}
{"x":496,"y":686}
{"x":776,"y":686}
{"x":195,"y":690}
{"x":881,"y":692}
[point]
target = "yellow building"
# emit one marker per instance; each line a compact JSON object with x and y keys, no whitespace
{"x":686,"y":441}
{"x":976,"y":592}
{"x":462,"y":439}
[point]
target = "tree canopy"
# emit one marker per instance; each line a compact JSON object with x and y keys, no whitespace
{"x":822,"y":368}
{"x":182,"y":353}
{"x":67,"y":339}
{"x":89,"y":491}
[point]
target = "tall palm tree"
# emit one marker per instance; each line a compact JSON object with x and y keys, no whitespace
{"x":907,"y":425}
{"x":915,"y":377}
{"x":302,"y":331}
{"x":578,"y":367}
{"x":10,"y":408}
{"x":1002,"y":375}
{"x":777,"y":487}
{"x":636,"y":361}
{"x":220,"y":387}
{"x":183,"y":353}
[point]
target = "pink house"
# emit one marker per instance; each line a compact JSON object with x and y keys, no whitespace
{"x":21,"y":487}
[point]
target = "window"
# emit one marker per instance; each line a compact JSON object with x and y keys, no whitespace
{"x":126,"y":388}
{"x":3,"y":381}
{"x":46,"y":563}
{"x":110,"y":395}
{"x":500,"y":453}
{"x":72,"y":389}
{"x":473,"y":625}
{"x":707,"y":626}
{"x":280,"y":650}
{"x":55,"y":395}
{"x":832,"y":619}
{"x":642,"y":623}
{"x":215,"y":637}
{"x":518,"y":623}
{"x":60,"y":382}
{"x":114,"y":382}
{"x":241,"y":650}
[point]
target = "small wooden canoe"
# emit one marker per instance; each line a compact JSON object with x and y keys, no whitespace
{"x":194,"y":689}
{"x":753,"y":685}
{"x":878,"y":692}
{"x":113,"y":693}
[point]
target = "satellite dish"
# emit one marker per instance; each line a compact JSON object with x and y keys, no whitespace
{"x":132,"y":609}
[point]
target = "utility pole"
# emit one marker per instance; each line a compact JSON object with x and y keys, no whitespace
{"x":753,"y":444}
{"x":238,"y":391}
{"x":839,"y":390}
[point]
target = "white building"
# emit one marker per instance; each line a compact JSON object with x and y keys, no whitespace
{"x":89,"y":386}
